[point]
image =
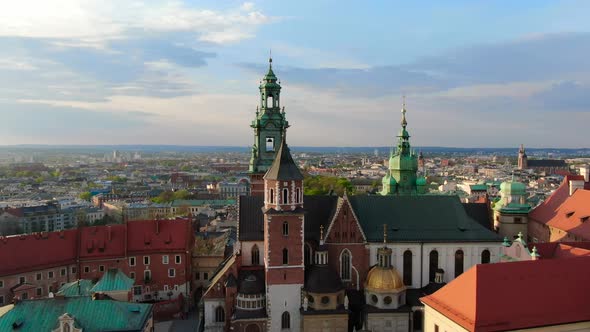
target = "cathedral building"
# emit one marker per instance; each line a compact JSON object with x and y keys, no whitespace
{"x":547,"y":166}
{"x":329,"y":263}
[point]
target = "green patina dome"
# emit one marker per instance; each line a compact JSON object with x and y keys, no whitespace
{"x":512,"y":187}
{"x":421,"y":181}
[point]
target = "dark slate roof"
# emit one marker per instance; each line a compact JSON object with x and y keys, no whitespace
{"x":283,"y":167}
{"x":480,"y":213}
{"x":250,"y":218}
{"x":546,"y":163}
{"x":418,"y":218}
{"x":319,"y":211}
{"x":251,"y":282}
{"x":322,"y":279}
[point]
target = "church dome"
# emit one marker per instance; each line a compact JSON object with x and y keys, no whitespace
{"x":421,"y":181}
{"x":322,"y":279}
{"x":383,"y":279}
{"x":513,"y":188}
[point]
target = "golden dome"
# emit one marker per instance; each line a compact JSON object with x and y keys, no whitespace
{"x":382,"y":279}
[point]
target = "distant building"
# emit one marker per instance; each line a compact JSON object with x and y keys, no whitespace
{"x":547,"y":166}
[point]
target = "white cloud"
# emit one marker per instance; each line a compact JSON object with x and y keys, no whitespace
{"x":91,"y":22}
{"x":16,"y":64}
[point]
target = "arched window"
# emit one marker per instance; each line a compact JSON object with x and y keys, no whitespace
{"x":485,"y":256}
{"x":285,"y":320}
{"x":345,"y":265}
{"x":255,"y":255}
{"x":285,"y":228}
{"x":433,"y":265}
{"x":272,"y":196}
{"x":298,"y":195}
{"x":285,"y":256}
{"x":219,"y":315}
{"x":408,"y":268}
{"x":458,"y":262}
{"x":285,"y":196}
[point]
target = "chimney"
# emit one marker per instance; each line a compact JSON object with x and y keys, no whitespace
{"x":575,"y":185}
{"x":585,"y":171}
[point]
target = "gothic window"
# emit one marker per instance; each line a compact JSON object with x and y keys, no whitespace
{"x":285,"y":320}
{"x":285,"y":196}
{"x":270,"y":144}
{"x":345,"y":265}
{"x":255,"y":255}
{"x":219,"y":315}
{"x":271,"y":193}
{"x":458,"y":262}
{"x":298,"y":195}
{"x":433,"y":265}
{"x":285,"y":228}
{"x":485,"y":256}
{"x":407,"y":268}
{"x":285,"y":256}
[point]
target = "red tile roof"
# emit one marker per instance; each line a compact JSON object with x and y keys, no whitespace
{"x":42,"y":250}
{"x":102,"y":241}
{"x":517,"y":295}
{"x":557,"y":250}
{"x":160,"y":235}
{"x":573,"y":215}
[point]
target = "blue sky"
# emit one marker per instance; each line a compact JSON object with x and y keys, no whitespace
{"x":475,"y":73}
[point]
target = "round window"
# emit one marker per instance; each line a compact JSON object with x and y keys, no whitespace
{"x":325,"y":300}
{"x":309,"y":298}
{"x":387,"y":300}
{"x":374,"y":299}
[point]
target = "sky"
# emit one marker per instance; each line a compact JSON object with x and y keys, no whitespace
{"x":474,"y":73}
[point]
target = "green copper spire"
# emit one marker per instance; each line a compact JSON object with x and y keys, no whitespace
{"x":269,"y":124}
{"x":401,"y":177}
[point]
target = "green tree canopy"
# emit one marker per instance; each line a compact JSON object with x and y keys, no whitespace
{"x":322,"y":185}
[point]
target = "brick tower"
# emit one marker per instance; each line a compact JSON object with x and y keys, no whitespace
{"x":283,"y":241}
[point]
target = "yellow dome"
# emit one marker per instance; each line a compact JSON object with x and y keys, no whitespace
{"x":381,"y":279}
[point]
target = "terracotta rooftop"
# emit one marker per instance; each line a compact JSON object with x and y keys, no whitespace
{"x":515,"y":295}
{"x":557,"y":250}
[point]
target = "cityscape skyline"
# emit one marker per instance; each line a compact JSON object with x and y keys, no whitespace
{"x":177,"y":73}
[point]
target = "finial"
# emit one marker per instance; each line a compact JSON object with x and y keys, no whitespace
{"x":270,"y":58}
{"x":385,"y":233}
{"x":404,"y":122}
{"x":506,"y":242}
{"x":520,"y":236}
{"x":321,"y":232}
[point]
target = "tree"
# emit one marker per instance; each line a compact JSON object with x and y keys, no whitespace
{"x":323,"y":185}
{"x":86,"y":196}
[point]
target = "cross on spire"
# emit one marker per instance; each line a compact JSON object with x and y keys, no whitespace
{"x":384,"y":233}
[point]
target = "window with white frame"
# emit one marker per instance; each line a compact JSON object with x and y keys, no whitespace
{"x":131,"y":261}
{"x":177,"y":259}
{"x":50,"y":275}
{"x":146,"y":260}
{"x":171,"y":273}
{"x":165,"y":259}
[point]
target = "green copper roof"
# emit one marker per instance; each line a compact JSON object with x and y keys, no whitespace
{"x":478,"y":187}
{"x":80,"y":287}
{"x":90,"y":315}
{"x":513,"y":187}
{"x":112,"y":281}
{"x":433,"y":218}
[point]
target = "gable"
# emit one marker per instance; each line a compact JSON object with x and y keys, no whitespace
{"x":344,"y":226}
